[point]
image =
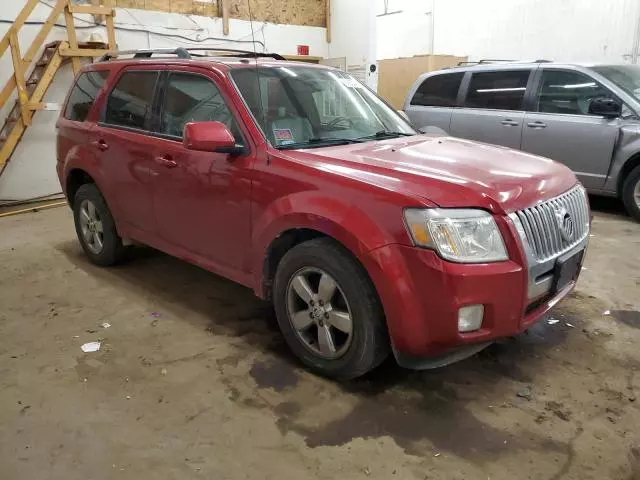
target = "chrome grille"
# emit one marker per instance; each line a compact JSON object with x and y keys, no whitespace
{"x":557,"y":225}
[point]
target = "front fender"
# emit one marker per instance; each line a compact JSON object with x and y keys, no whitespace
{"x":350,"y":225}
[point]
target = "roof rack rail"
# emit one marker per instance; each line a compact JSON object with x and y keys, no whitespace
{"x":485,"y":61}
{"x":181,"y":52}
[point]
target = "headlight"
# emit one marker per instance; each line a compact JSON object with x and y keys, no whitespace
{"x":459,"y":235}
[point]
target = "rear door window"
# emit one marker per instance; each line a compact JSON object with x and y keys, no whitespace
{"x":438,"y":91}
{"x":83,"y":95}
{"x":501,"y":90}
{"x":130,"y":102}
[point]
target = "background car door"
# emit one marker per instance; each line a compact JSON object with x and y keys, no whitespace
{"x":561,"y":128}
{"x":433,"y":101}
{"x":493,"y":108}
{"x":201,"y":199}
{"x":123,"y":138}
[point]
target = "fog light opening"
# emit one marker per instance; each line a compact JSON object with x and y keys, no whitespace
{"x":470,"y":318}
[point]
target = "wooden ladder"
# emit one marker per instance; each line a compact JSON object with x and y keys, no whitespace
{"x":31,"y":90}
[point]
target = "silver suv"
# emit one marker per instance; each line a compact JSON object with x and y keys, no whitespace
{"x":585,"y":116}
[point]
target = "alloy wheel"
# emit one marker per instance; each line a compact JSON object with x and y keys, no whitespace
{"x":319,"y":312}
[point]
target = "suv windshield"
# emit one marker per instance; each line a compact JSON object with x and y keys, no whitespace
{"x":307,"y":107}
{"x":627,"y":77}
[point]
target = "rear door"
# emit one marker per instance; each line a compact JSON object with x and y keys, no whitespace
{"x":124,"y":142}
{"x":561,"y":128}
{"x":493,"y":107}
{"x":432,"y":102}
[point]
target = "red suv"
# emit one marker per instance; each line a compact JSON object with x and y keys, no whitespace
{"x":300,"y":183}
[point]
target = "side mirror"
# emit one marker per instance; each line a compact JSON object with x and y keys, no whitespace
{"x":605,"y":107}
{"x":210,"y":137}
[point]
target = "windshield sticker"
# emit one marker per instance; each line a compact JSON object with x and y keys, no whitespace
{"x":283,"y":136}
{"x":351,"y":83}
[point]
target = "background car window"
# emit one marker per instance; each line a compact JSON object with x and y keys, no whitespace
{"x":130,"y":102}
{"x":503,"y":90}
{"x":194,"y":98}
{"x":83,"y":95}
{"x":568,"y":92}
{"x":438,"y":91}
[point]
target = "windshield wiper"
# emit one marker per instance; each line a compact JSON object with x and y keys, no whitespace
{"x":386,"y":134}
{"x":315,"y":142}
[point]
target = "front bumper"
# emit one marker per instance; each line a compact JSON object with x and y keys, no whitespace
{"x":422,"y":293}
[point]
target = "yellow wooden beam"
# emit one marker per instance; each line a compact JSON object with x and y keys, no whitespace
{"x":111,"y":32}
{"x":17,"y":24}
{"x":10,"y":143}
{"x":91,"y":9}
{"x":83,"y":52}
{"x":71,"y":35}
{"x":36,"y":97}
{"x":44,"y":31}
{"x":18,"y":73}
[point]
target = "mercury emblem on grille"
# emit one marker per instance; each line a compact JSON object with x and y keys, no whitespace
{"x":565,"y":224}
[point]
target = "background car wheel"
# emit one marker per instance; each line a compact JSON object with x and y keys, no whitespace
{"x":328,"y":310}
{"x":631,"y":193}
{"x":95,"y":227}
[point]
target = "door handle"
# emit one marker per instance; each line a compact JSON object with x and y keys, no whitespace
{"x":537,"y":125}
{"x":100,"y":145}
{"x":509,"y":123}
{"x":166,"y":161}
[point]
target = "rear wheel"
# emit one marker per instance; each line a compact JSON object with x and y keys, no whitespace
{"x":328,"y":310}
{"x":95,"y":227}
{"x":631,"y":193}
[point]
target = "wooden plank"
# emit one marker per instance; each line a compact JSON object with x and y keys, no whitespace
{"x":328,"y":15}
{"x":91,"y":9}
{"x":225,"y":17}
{"x":18,"y":73}
{"x":303,"y":58}
{"x":18,"y":23}
{"x":111,"y":32}
{"x":83,"y":52}
{"x":11,"y":142}
{"x":33,"y":209}
{"x":73,"y":40}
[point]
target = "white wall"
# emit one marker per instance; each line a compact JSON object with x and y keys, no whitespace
{"x":353,"y":35}
{"x":31,"y":171}
{"x":561,"y":30}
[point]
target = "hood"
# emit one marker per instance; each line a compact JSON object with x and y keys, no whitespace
{"x":447,"y":171}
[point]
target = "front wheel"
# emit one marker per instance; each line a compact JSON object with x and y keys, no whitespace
{"x":328,"y":310}
{"x":631,"y":193}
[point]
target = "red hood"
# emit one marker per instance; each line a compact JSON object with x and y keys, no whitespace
{"x":446,"y":171}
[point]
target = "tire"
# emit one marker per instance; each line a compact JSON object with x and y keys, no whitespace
{"x":319,"y":261}
{"x":109,"y":250}
{"x":631,"y":193}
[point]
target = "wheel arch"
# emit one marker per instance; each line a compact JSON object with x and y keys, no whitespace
{"x":628,"y":167}
{"x":75,"y":179}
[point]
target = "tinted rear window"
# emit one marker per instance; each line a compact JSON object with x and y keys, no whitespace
{"x":130,"y":102}
{"x":84,"y":94}
{"x":503,"y":90}
{"x":438,"y":91}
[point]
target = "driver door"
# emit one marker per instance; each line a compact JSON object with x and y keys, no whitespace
{"x":561,"y":128}
{"x":201,"y":199}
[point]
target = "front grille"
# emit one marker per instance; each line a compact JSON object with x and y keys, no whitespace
{"x":557,"y":225}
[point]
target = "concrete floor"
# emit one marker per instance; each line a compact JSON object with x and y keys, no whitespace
{"x":193,"y":381}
